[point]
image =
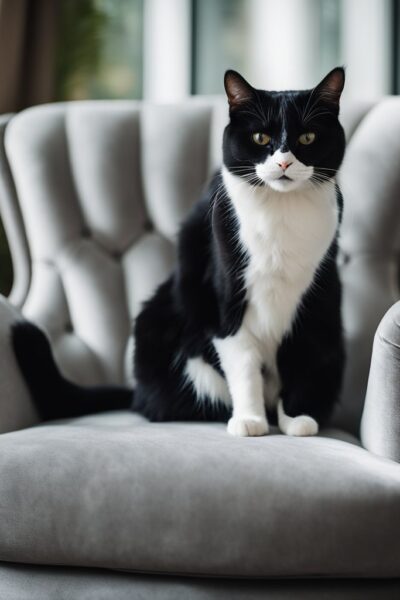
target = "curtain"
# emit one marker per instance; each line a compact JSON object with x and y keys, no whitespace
{"x":28,"y":35}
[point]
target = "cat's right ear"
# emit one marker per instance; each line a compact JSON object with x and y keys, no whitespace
{"x":237,"y":89}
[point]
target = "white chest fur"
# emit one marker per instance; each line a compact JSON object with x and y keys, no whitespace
{"x":286,"y":236}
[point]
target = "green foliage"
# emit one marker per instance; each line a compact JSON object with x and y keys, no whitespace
{"x":81,"y":28}
{"x":99,"y":52}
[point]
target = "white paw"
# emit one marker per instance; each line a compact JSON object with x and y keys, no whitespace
{"x":302,"y":425}
{"x":247,"y":426}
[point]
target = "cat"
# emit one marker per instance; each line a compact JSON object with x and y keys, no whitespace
{"x":247,"y":329}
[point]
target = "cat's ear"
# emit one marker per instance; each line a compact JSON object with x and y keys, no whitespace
{"x":237,"y":89}
{"x":331,"y":87}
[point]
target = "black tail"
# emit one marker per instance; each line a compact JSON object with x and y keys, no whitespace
{"x":54,"y":396}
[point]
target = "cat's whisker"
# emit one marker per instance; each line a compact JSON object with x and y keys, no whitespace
{"x":257,"y":113}
{"x":253,"y":114}
{"x":315,"y":115}
{"x":322,"y":178}
{"x":297,"y":109}
{"x":260,"y":107}
{"x":308,"y":103}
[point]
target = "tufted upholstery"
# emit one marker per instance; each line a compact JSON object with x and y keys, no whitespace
{"x":92,"y":195}
{"x":103,"y":187}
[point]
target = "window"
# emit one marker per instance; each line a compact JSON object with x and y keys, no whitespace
{"x":293,"y":44}
{"x":220,"y":42}
{"x":275,"y":45}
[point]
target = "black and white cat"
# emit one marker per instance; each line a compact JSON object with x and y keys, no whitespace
{"x":247,"y":329}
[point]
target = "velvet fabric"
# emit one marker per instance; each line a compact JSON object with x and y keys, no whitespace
{"x":25,"y":582}
{"x":116,"y":491}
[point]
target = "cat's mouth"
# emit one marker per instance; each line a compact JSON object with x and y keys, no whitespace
{"x":284,"y":178}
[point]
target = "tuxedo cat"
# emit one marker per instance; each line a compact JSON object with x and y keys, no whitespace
{"x":247,"y":329}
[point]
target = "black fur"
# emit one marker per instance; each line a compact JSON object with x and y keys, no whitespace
{"x":54,"y":396}
{"x":205,"y":297}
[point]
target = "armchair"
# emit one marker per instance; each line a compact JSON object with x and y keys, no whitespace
{"x":92,"y":195}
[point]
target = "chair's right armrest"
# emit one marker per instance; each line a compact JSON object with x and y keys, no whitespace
{"x":16,"y":408}
{"x":380,"y":425}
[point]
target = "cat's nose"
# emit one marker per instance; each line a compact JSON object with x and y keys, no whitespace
{"x":284,"y":165}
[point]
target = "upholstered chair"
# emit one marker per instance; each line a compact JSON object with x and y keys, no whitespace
{"x":92,"y":195}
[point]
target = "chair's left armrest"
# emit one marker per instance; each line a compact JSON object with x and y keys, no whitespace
{"x":380,"y":425}
{"x":13,"y":223}
{"x":16,"y":408}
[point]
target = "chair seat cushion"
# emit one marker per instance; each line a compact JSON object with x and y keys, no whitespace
{"x":116,"y":491}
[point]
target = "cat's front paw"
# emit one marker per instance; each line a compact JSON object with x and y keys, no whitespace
{"x":247,"y":426}
{"x":302,"y":425}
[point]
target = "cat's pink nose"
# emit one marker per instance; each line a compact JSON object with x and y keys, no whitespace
{"x":284,"y":165}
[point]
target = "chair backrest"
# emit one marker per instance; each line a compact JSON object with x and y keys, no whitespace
{"x":93,"y":194}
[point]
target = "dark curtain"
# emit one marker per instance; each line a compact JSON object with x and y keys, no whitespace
{"x":28,"y":31}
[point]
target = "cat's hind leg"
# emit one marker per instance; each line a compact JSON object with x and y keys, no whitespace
{"x":302,"y":425}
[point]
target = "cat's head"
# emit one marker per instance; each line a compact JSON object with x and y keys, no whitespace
{"x":284,"y":140}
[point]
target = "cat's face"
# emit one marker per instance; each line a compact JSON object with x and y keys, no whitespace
{"x":284,"y":140}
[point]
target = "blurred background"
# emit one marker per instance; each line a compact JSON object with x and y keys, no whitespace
{"x":165,"y":50}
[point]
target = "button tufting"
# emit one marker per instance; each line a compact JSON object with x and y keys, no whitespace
{"x":343,"y":258}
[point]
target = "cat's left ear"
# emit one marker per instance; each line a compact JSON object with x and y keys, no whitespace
{"x":237,"y":89}
{"x":331,"y":87}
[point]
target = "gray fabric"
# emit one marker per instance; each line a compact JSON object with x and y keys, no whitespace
{"x":116,"y":491}
{"x":16,"y":409}
{"x":103,"y":187}
{"x":352,"y":113}
{"x":23,"y":582}
{"x":370,"y":244}
{"x":380,"y":426}
{"x":175,"y":161}
{"x":13,"y":225}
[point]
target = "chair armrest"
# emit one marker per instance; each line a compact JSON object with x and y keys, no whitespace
{"x":13,"y":223}
{"x":16,"y":408}
{"x":380,"y":424}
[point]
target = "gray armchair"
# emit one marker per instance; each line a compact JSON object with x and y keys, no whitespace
{"x":92,"y":195}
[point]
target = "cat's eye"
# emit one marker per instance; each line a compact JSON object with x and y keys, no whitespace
{"x":307,"y":138}
{"x":262,"y":139}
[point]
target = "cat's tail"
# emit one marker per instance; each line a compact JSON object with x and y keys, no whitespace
{"x":53,"y":395}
